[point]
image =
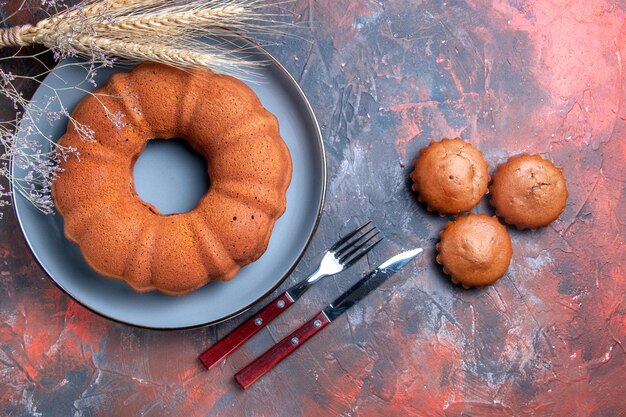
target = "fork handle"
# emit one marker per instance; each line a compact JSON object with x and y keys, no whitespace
{"x":224,"y":347}
{"x":264,"y":363}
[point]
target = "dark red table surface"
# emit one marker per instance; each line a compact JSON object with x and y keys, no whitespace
{"x":385,"y":78}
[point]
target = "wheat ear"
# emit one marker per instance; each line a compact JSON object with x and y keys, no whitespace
{"x":173,"y":56}
{"x":164,"y":21}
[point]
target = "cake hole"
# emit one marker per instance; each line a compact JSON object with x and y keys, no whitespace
{"x":171,"y":176}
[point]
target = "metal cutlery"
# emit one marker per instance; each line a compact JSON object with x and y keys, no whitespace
{"x":289,"y":344}
{"x":342,"y":255}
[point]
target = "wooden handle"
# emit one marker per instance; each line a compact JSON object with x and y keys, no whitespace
{"x":220,"y":350}
{"x":261,"y":365}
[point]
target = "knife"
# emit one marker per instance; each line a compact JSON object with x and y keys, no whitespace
{"x":264,"y":363}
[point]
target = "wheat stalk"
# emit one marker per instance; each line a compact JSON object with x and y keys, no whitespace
{"x":157,"y":30}
{"x":24,"y":35}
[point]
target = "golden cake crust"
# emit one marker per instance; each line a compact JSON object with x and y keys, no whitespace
{"x":450,"y":176}
{"x":528,"y":191}
{"x":475,"y":250}
{"x":122,"y":236}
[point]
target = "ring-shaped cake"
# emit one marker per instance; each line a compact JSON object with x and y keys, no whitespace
{"x":124,"y":237}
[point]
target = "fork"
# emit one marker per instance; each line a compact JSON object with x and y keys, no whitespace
{"x":342,"y":255}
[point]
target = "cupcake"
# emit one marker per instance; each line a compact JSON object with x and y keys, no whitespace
{"x":450,"y":176}
{"x":528,"y":191}
{"x":475,"y":250}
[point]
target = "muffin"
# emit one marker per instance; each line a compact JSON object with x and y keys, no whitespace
{"x":450,"y":176}
{"x":475,"y":250}
{"x":528,"y":191}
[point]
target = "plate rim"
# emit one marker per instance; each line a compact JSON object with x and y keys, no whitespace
{"x":320,"y":143}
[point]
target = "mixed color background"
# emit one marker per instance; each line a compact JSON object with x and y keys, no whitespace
{"x":384,"y":78}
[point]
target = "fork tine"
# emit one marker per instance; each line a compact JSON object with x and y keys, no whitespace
{"x":354,"y":250}
{"x":353,"y":242}
{"x":348,"y":236}
{"x":362,"y":254}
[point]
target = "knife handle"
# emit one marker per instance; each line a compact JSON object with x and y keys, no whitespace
{"x":264,"y":363}
{"x":224,"y":347}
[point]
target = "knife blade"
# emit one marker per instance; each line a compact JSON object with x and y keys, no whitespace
{"x":369,"y":283}
{"x":264,"y":363}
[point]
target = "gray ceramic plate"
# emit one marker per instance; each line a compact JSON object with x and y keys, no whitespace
{"x":216,"y":301}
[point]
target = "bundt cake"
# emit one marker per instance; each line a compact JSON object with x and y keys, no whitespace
{"x":124,"y":237}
